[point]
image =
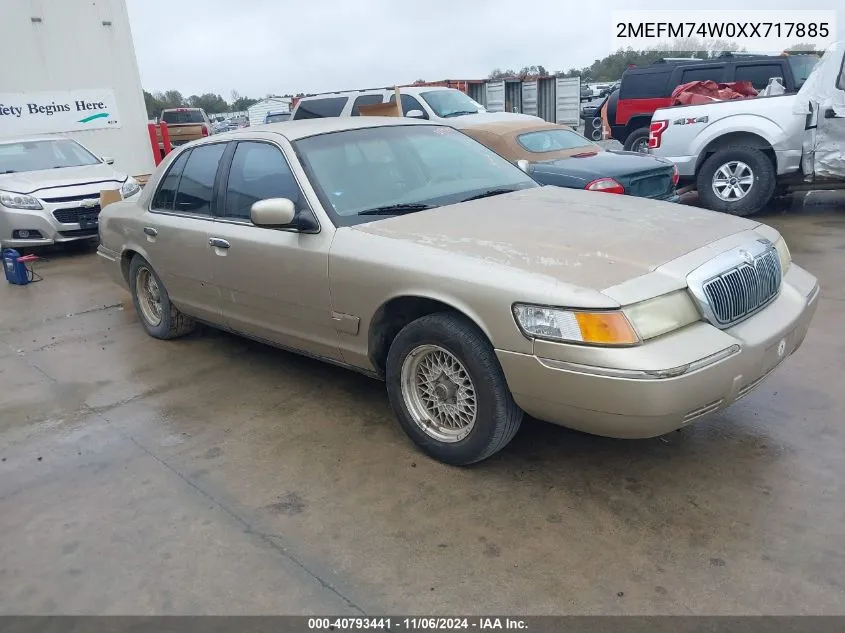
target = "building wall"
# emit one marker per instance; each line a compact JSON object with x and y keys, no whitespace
{"x":256,"y":112}
{"x":79,"y":44}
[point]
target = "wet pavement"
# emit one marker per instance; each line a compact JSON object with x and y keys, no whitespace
{"x":216,"y":475}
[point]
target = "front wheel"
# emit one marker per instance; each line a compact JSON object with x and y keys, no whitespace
{"x":448,"y":390}
{"x":737,"y":180}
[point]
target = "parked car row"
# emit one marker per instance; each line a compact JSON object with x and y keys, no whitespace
{"x":408,"y":251}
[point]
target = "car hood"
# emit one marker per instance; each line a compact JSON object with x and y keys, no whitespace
{"x":31,"y":182}
{"x":590,"y":164}
{"x":589,"y":239}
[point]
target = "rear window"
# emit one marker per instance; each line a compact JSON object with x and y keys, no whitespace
{"x":705,"y":73}
{"x":319,"y":108}
{"x":645,"y":85}
{"x":801,"y":66}
{"x":551,"y":140}
{"x":182,"y":116}
{"x":758,"y":74}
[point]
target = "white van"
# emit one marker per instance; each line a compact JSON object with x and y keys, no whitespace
{"x":418,"y":102}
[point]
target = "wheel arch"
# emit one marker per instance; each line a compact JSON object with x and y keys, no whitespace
{"x":400,"y":310}
{"x":733,"y":139}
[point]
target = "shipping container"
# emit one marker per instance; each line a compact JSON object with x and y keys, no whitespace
{"x":70,"y":69}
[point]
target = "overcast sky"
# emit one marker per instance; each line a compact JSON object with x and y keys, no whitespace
{"x":287,"y":46}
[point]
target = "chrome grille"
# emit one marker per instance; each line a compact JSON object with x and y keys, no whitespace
{"x":71,"y":216}
{"x":742,"y":290}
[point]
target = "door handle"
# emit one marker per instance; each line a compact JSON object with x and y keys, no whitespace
{"x":218,"y":243}
{"x":150,"y":231}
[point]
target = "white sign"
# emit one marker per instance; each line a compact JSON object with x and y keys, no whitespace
{"x":48,"y":112}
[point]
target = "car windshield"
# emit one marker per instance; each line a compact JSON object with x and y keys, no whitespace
{"x":449,"y":103}
{"x":802,"y":66}
{"x":402,"y":169}
{"x":181,"y":116}
{"x":552,"y":140}
{"x":38,"y":155}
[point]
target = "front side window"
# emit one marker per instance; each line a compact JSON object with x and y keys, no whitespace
{"x":259,"y":171}
{"x":197,"y":181}
{"x":408,"y":103}
{"x":320,"y":108}
{"x":39,"y":155}
{"x":449,"y":103}
{"x":165,"y":197}
{"x":758,"y":74}
{"x":362,"y":174}
{"x":552,"y":140}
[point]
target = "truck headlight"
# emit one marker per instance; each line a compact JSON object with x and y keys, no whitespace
{"x":783,"y":254}
{"x":19,"y":201}
{"x":663,"y":314}
{"x":130,"y":187}
{"x":606,"y":327}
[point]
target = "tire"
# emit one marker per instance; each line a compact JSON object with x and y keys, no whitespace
{"x":171,"y":323}
{"x":637,"y":136}
{"x":496,"y":417}
{"x":730,"y":160}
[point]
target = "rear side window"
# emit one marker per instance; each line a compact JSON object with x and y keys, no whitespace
{"x":182,"y":116}
{"x":409,"y":103}
{"x":705,"y":73}
{"x":645,"y":85}
{"x":319,"y":108}
{"x":365,"y":100}
{"x":259,"y":171}
{"x":758,"y":74}
{"x":166,"y":194}
{"x":197,"y":182}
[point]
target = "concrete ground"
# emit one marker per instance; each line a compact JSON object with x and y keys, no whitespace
{"x":216,"y":475}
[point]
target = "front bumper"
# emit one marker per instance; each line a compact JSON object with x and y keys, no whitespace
{"x":631,"y":401}
{"x":51,"y":230}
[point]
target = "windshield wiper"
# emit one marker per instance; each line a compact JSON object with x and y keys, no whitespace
{"x":397,"y":209}
{"x":488,"y":194}
{"x":460,"y":113}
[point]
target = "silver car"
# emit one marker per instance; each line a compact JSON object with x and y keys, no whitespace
{"x":412,"y":253}
{"x":50,"y":190}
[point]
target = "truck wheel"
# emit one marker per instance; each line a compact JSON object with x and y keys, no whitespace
{"x":160,"y":318}
{"x":637,"y":141}
{"x":738,"y":180}
{"x":448,"y":390}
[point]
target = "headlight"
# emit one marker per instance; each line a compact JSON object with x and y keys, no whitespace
{"x":662,"y":314}
{"x":609,"y":327}
{"x":783,"y":254}
{"x":130,"y":187}
{"x":18,"y":201}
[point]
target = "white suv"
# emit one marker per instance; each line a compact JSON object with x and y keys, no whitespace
{"x":418,"y":102}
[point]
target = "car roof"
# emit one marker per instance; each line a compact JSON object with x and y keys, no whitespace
{"x":293,"y":130}
{"x":501,"y":137}
{"x":409,"y":90}
{"x":30,"y":139}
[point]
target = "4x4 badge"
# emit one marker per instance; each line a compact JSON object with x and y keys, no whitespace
{"x":690,"y":120}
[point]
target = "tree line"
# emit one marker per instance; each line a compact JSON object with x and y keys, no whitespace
{"x":210,"y":102}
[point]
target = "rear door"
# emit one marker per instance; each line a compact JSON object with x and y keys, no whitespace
{"x":177,"y":227}
{"x":274,"y":282}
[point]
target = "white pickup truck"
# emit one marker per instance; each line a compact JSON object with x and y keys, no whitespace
{"x":738,"y":154}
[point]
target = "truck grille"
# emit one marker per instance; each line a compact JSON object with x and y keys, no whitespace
{"x":744,"y":289}
{"x":71,"y":216}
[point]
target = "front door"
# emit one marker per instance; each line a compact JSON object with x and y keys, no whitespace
{"x":176,"y":231}
{"x":273,"y":282}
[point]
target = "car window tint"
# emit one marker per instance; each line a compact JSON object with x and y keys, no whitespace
{"x":182,"y":116}
{"x":197,"y":182}
{"x":758,"y":74}
{"x":365,"y":100}
{"x":706,"y":73}
{"x":259,"y":171}
{"x":408,"y":103}
{"x":166,"y":194}
{"x":319,"y":108}
{"x":645,"y":85}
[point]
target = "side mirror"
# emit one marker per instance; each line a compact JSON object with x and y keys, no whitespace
{"x":272,"y":212}
{"x":415,"y":114}
{"x":523,"y":164}
{"x":108,"y":160}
